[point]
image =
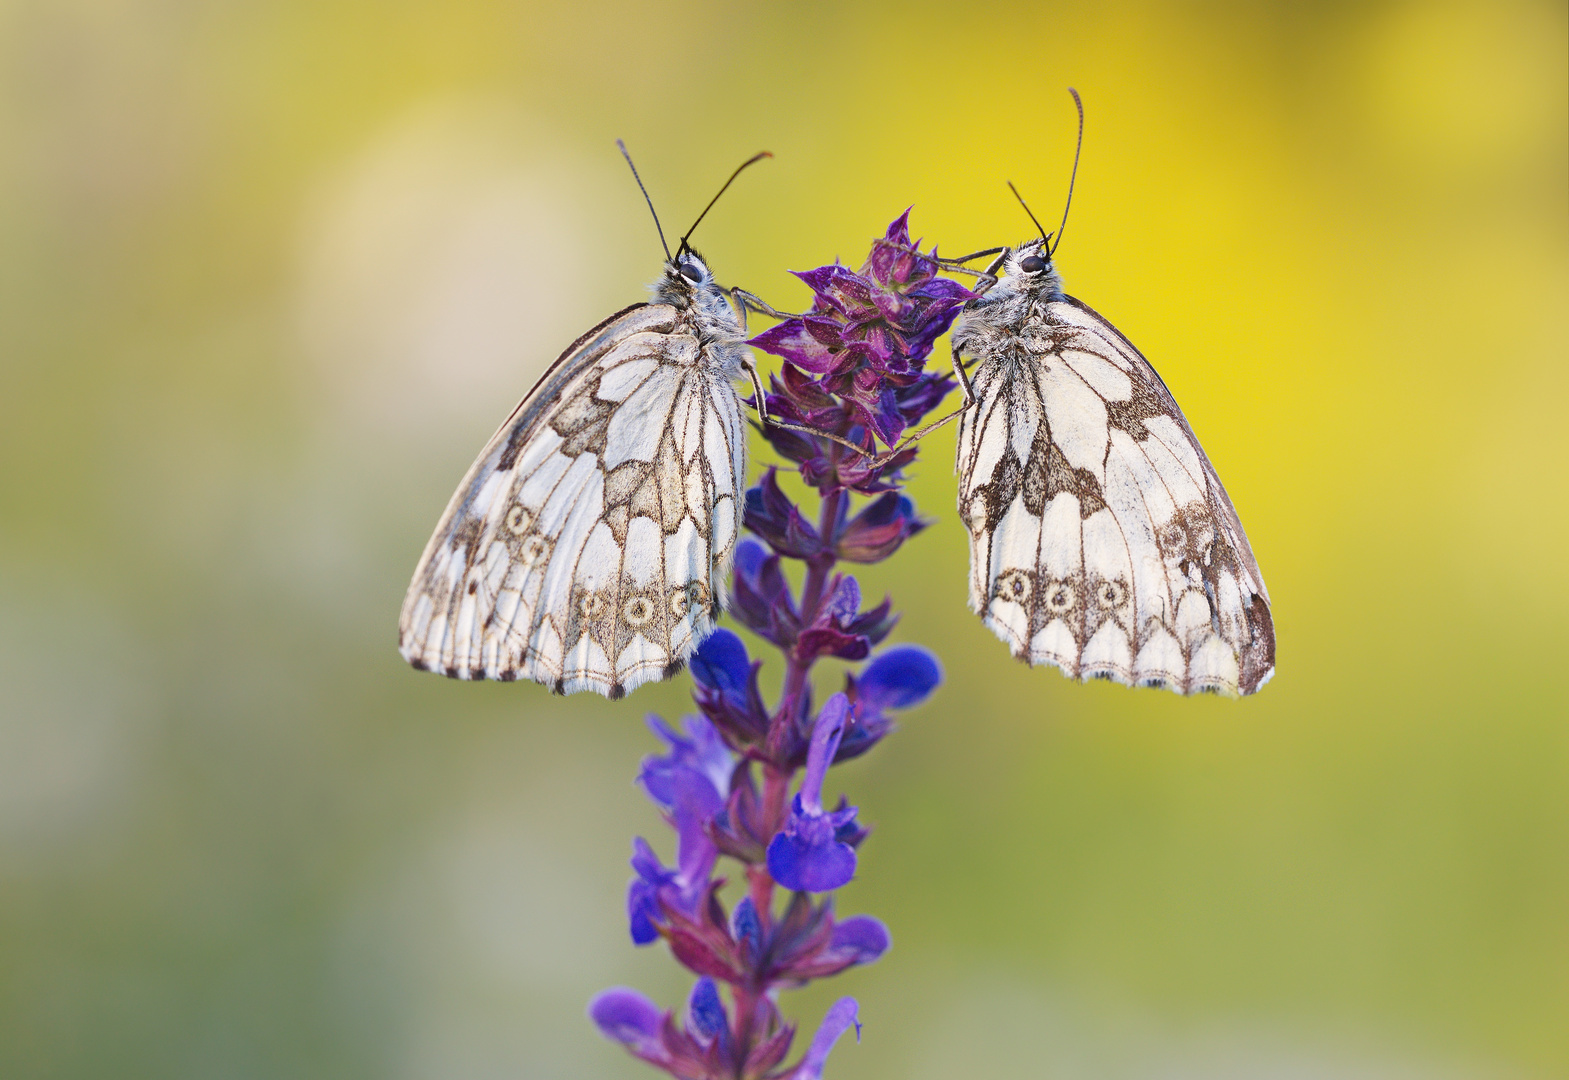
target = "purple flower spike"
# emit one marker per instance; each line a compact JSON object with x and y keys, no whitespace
{"x":841,"y":1015}
{"x":809,"y":855}
{"x":854,"y":381}
{"x":629,"y":1018}
{"x":869,"y":332}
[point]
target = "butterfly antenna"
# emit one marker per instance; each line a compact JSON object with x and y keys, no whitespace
{"x":623,"y":148}
{"x":1074,"y":175}
{"x":753,"y":160}
{"x":1016,"y":195}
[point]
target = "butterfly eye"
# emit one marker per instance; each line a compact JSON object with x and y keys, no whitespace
{"x":691,"y":272}
{"x":1032,"y":264}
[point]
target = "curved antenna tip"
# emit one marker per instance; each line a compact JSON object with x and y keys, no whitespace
{"x":1077,"y":148}
{"x":753,"y":160}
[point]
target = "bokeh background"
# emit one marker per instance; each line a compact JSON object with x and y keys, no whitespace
{"x":270,"y":273}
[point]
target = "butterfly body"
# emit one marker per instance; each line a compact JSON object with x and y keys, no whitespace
{"x":1101,"y":539}
{"x":586,"y":545}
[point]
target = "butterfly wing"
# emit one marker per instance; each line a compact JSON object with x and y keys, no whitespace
{"x":1101,"y":539}
{"x":583,"y":546}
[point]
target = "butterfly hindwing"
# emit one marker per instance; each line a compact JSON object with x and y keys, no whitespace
{"x":584,"y":546}
{"x":1101,"y":539}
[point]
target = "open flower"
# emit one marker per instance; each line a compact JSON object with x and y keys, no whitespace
{"x":814,"y":852}
{"x":693,"y":801}
{"x":899,"y":678}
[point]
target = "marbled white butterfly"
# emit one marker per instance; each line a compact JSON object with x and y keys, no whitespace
{"x":1101,"y":539}
{"x":587,"y":546}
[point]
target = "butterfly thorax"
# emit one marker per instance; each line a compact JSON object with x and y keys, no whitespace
{"x":688,"y":286}
{"x":994,"y":322}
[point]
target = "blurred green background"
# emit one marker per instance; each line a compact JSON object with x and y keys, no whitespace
{"x":270,"y":273}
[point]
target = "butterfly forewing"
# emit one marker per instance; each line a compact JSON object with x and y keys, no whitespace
{"x":585,"y":547}
{"x":1101,"y":539}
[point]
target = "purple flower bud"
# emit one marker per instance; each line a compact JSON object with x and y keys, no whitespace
{"x":841,"y":629}
{"x":706,"y":1017}
{"x":762,"y":599}
{"x":643,"y":911}
{"x":771,"y":515}
{"x":877,"y":531}
{"x":900,"y":678}
{"x":747,"y":930}
{"x":629,"y":1018}
{"x":726,"y":689}
{"x":809,"y":855}
{"x":841,"y":1015}
{"x":860,"y":940}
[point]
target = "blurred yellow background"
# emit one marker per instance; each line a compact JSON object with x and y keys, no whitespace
{"x":270,"y":273}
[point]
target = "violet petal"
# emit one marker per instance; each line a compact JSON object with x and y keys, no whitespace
{"x":627,"y":1017}
{"x":841,"y":1015}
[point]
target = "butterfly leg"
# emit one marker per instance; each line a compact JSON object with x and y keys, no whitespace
{"x":769,"y":421}
{"x":917,"y":436}
{"x":749,"y":301}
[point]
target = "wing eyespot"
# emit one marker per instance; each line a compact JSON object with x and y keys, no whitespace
{"x":638,"y":612}
{"x":1061,"y":597}
{"x":1015,"y":585}
{"x":520,"y":519}
{"x":1111,"y":595}
{"x":533,"y":550}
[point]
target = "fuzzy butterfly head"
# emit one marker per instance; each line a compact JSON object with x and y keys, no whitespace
{"x":1026,"y":282}
{"x":688,"y":285}
{"x":1029,"y":270}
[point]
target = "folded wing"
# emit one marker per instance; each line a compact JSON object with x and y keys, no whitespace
{"x":583,"y":548}
{"x":1101,"y":539}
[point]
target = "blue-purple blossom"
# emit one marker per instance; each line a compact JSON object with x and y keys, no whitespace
{"x":811,"y":854}
{"x":699,"y":755}
{"x":632,"y":1020}
{"x":726,"y":689}
{"x":898,"y":678}
{"x":655,"y":890}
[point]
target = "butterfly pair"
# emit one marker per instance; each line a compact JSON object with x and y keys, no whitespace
{"x":588,"y":546}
